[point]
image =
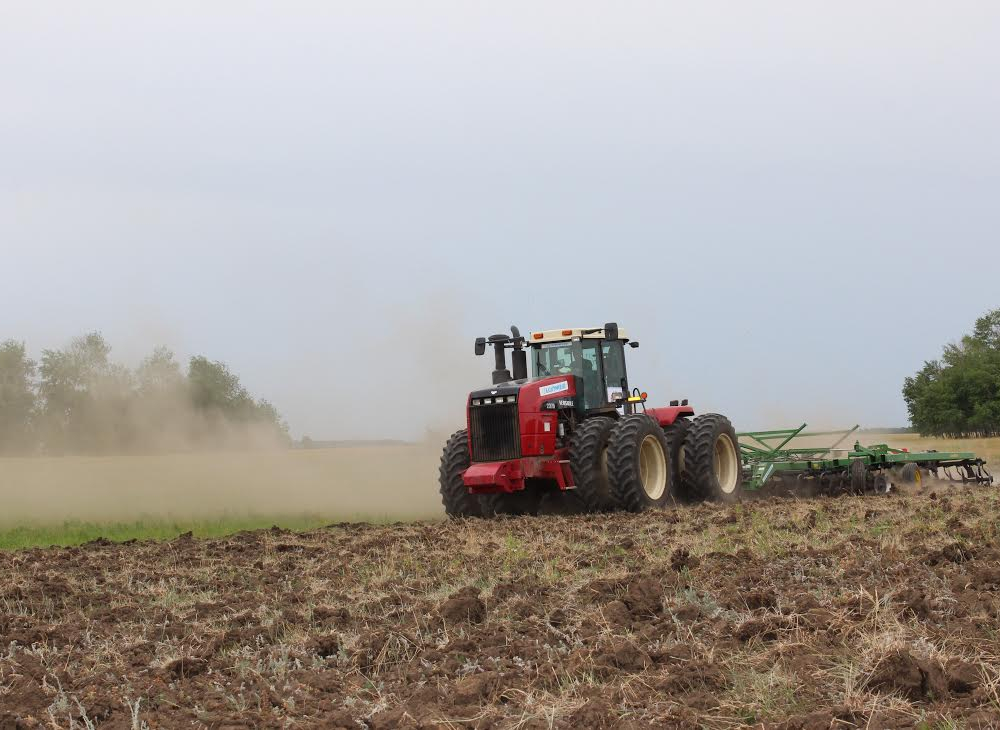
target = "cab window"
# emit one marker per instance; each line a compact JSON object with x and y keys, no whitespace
{"x":581,"y":359}
{"x":614,"y":369}
{"x":593,"y":390}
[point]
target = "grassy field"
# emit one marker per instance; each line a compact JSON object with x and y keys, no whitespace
{"x":72,"y":500}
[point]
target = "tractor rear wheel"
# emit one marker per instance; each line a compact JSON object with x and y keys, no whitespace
{"x":639,"y":464}
{"x":588,"y":460}
{"x":712,"y":459}
{"x":676,"y":432}
{"x":454,"y":494}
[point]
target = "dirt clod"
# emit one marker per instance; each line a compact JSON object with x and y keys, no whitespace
{"x":916,"y":679}
{"x":465,"y":605}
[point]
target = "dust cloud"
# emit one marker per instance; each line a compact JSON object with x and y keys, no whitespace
{"x":165,"y":459}
{"x":349,"y":483}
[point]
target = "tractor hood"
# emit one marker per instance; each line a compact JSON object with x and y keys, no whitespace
{"x":530,"y":391}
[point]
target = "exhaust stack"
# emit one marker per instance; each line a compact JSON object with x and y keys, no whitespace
{"x":500,"y":373}
{"x":519,"y":360}
{"x":500,"y":343}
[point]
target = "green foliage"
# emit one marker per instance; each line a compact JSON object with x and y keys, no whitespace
{"x":17,"y":397}
{"x":77,"y":400}
{"x":217,"y":392}
{"x":959,"y":395}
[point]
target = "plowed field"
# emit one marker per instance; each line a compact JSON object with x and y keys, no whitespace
{"x":847,"y":612}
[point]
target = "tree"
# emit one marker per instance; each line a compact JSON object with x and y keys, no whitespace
{"x":215,"y":388}
{"x":83,"y":402}
{"x":159,"y":374}
{"x":960,"y":394}
{"x":17,"y":397}
{"x":217,"y":392}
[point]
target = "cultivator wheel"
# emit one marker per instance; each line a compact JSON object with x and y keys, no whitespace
{"x":588,"y":460}
{"x":639,"y":464}
{"x":858,"y":476}
{"x":454,"y":461}
{"x":711,"y":459}
{"x":911,"y":474}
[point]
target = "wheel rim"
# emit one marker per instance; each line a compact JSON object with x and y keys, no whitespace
{"x":652,"y":467}
{"x":724,"y":462}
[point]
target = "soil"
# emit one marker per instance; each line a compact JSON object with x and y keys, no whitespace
{"x":780,"y":613}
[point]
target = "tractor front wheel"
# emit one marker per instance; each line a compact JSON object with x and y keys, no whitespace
{"x":712,"y":459}
{"x":454,"y":461}
{"x":639,"y":464}
{"x":588,"y":460}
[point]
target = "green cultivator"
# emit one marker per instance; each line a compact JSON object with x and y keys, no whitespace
{"x":768,"y":459}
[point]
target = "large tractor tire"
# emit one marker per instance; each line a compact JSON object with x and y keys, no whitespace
{"x":676,"y":433}
{"x":523,"y":502}
{"x":639,"y":464}
{"x":454,"y":461}
{"x":588,"y":460}
{"x":712,"y":459}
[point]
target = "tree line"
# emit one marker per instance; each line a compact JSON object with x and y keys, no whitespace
{"x":959,"y":395}
{"x":77,"y":400}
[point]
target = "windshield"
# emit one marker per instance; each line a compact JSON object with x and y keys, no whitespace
{"x":572,"y":358}
{"x":554,"y":358}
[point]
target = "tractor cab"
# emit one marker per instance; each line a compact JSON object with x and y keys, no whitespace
{"x":595,"y":357}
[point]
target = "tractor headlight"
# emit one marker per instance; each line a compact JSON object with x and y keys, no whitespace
{"x":477,"y":402}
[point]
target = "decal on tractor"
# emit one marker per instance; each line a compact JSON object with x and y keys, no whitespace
{"x":554,"y":388}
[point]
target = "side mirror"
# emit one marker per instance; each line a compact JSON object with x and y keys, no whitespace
{"x":480,"y":345}
{"x":633,"y":344}
{"x":611,"y":331}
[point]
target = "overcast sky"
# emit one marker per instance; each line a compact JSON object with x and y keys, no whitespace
{"x":790,"y":204}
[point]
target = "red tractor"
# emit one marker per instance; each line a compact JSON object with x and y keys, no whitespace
{"x":575,"y":425}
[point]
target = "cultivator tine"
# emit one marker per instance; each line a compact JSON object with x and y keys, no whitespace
{"x":970,"y":471}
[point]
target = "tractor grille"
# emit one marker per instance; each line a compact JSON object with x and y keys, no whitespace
{"x":495,"y":433}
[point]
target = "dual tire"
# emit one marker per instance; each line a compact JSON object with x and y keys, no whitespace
{"x":622,"y":464}
{"x":634,"y":464}
{"x":708,"y":459}
{"x":639,"y":464}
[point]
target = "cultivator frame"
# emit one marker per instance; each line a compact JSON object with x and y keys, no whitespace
{"x":766,"y":456}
